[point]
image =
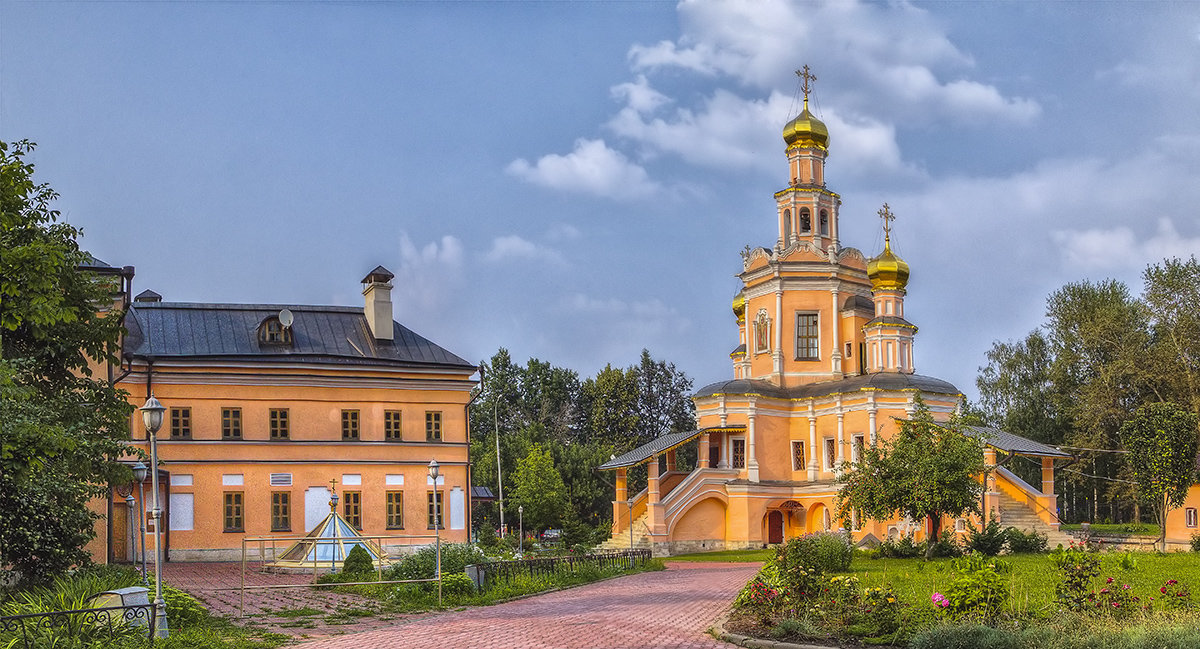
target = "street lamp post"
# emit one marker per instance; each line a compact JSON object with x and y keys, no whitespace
{"x":139,"y":474}
{"x":630,"y":503}
{"x":521,"y":528}
{"x":437,"y":526}
{"x":152,"y":417}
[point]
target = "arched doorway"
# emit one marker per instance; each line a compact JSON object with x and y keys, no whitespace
{"x":774,"y":526}
{"x":818,"y":518}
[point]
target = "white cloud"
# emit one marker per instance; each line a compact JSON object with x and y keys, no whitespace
{"x":427,"y":274}
{"x":898,"y":51}
{"x":591,"y":168}
{"x":560,"y":232}
{"x":1119,"y":248}
{"x":514,"y":247}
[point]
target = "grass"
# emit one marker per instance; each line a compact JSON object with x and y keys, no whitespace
{"x":1032,"y":579}
{"x":732,"y":556}
{"x":1120,"y":529}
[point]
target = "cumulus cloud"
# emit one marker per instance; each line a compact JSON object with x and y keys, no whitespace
{"x":592,"y":167}
{"x":1120,"y":248}
{"x":429,"y":273}
{"x":513,"y":247}
{"x":897,"y":50}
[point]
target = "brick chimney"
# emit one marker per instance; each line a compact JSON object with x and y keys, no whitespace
{"x":377,"y":289}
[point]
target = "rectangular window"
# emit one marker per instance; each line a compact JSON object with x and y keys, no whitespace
{"x":798,"y":460}
{"x":391,"y":425}
{"x":395,"y":510}
{"x":352,"y":508}
{"x":349,"y":424}
{"x":234,"y":521}
{"x":279,"y":423}
{"x":433,"y":426}
{"x":739,"y":453}
{"x":1191,"y":517}
{"x":435,"y":511}
{"x":856,"y":448}
{"x":281,"y":511}
{"x":806,"y":337}
{"x":181,"y":423}
{"x":830,"y":453}
{"x":231,"y":423}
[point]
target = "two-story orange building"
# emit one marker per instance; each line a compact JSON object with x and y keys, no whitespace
{"x":267,"y":404}
{"x":824,"y":366}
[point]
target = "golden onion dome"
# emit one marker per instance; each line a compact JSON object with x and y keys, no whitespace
{"x":887,"y":272}
{"x":806,"y":130}
{"x":739,"y":307}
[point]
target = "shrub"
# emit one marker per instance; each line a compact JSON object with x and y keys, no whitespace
{"x":1078,"y":567}
{"x":975,"y":562}
{"x":1020,"y":542}
{"x":422,"y":564}
{"x":978,"y":595}
{"x":760,"y":593}
{"x":1174,"y":596}
{"x":1113,"y":600}
{"x":1196,"y":543}
{"x":901,"y":547}
{"x":457,"y":584}
{"x":358,"y":562}
{"x":882,"y":607}
{"x":989,"y":540}
{"x":801,"y":562}
{"x":1126,"y":561}
{"x":947,"y":545}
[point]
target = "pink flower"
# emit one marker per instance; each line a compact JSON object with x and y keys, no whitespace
{"x":1110,"y":580}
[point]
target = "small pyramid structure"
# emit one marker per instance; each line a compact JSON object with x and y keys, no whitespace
{"x":327,"y":544}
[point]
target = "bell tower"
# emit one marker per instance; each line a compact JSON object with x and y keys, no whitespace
{"x":889,"y":336}
{"x":807,"y":211}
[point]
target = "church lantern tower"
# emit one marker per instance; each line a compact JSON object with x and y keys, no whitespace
{"x":807,"y":210}
{"x":889,"y":336}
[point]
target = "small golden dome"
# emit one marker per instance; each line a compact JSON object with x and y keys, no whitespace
{"x":739,"y":307}
{"x":887,"y":272}
{"x":806,"y":130}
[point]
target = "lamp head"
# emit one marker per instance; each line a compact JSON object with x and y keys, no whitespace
{"x":433,"y":470}
{"x":152,"y":414}
{"x":139,"y":472}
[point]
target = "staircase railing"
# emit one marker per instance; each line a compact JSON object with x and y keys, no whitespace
{"x":1025,"y":494}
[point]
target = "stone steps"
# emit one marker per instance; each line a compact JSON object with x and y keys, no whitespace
{"x":620,"y":541}
{"x":1020,"y":516}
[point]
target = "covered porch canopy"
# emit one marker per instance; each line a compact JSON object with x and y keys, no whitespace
{"x":662,"y":444}
{"x":1041,"y":499}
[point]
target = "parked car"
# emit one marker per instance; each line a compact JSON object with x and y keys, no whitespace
{"x":552,"y":535}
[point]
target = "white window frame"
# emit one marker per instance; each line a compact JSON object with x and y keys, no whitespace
{"x":857,"y":443}
{"x":1189,"y":515}
{"x":829,"y":451}
{"x":745,"y":452}
{"x":796,"y":339}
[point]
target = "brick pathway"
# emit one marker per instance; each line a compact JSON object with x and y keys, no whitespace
{"x":263,"y":607}
{"x":655,"y":610}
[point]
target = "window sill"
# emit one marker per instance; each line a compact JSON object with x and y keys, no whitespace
{"x":234,"y":531}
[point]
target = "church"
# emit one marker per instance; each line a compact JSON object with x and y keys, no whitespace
{"x":823,"y":365}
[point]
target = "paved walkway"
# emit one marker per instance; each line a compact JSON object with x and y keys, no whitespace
{"x":655,"y":610}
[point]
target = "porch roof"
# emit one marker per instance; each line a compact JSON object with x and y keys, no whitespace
{"x":1011,"y":443}
{"x":660,"y":445}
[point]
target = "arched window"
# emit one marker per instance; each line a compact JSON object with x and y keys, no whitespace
{"x":272,"y":332}
{"x":824,"y":223}
{"x":787,"y":226}
{"x":805,"y":221}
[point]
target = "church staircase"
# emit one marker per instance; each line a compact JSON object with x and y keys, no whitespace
{"x":1019,"y":515}
{"x":620,"y":540}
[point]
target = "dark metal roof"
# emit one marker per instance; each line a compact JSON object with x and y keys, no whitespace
{"x":380,"y":274}
{"x":1011,"y":443}
{"x":481,"y":494}
{"x":879,"y":381}
{"x":657,"y":446}
{"x":859,"y":302}
{"x":320,"y":334}
{"x":740,"y":349}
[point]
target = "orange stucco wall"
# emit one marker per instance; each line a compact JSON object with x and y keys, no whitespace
{"x":1178,"y":530}
{"x":703,"y":521}
{"x":206,"y":467}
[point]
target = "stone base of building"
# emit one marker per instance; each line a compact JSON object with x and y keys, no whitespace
{"x":673,"y":548}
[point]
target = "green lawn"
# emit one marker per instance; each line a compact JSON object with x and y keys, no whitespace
{"x":735,"y":556}
{"x":1032,"y":579}
{"x":1135,"y":529}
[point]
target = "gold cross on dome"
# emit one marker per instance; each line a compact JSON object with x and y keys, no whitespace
{"x":806,"y":75}
{"x":332,"y":485}
{"x":888,"y":217}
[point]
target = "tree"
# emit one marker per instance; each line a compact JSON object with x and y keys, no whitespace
{"x":539,"y":488}
{"x":1161,"y":440}
{"x":60,"y":429}
{"x":1172,"y":297}
{"x":926,"y":471}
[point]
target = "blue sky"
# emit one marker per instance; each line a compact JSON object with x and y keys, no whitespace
{"x":573,"y":181}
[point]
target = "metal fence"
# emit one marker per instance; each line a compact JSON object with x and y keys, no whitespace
{"x":52,"y":628}
{"x":492,"y":572}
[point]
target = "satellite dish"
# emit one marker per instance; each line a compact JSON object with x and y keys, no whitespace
{"x":286,"y":318}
